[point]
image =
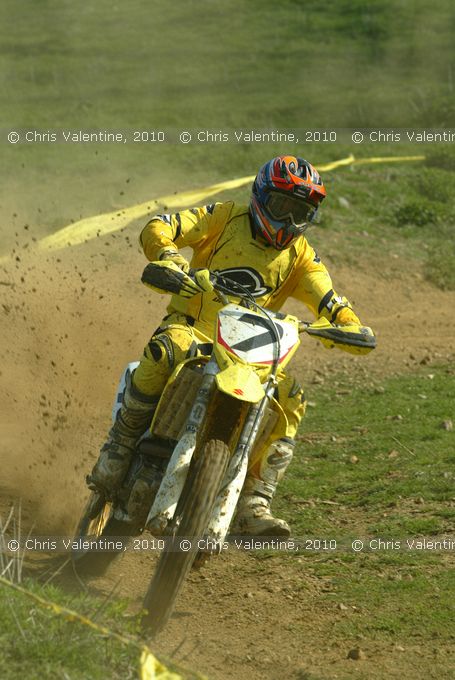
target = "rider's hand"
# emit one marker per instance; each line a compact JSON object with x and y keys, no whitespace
{"x":346,"y":317}
{"x":202,"y":278}
{"x":174,"y":256}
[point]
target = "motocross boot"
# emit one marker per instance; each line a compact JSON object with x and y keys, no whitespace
{"x":146,"y":484}
{"x":254,"y":517}
{"x":133,"y":419}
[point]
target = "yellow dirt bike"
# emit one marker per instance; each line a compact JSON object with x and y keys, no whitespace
{"x":215,"y":413}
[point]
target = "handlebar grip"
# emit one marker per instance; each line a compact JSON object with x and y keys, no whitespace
{"x":192,"y":273}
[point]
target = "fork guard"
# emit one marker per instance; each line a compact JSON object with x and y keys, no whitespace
{"x":241,"y":383}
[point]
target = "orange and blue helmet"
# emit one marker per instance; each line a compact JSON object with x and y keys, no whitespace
{"x":286,"y":195}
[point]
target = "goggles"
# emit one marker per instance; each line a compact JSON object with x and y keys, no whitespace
{"x":283,"y":208}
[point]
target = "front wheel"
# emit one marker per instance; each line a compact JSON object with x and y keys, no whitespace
{"x":173,"y":567}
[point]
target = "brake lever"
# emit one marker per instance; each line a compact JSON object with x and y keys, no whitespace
{"x":222,"y":297}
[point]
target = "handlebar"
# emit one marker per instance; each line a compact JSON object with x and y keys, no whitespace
{"x":170,"y":278}
{"x":351,"y":338}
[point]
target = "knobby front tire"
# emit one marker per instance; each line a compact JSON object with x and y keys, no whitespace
{"x":173,"y":567}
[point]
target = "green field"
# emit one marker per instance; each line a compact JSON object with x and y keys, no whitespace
{"x":282,"y":66}
{"x":152,"y":65}
{"x":381,"y":451}
{"x":387,"y":473}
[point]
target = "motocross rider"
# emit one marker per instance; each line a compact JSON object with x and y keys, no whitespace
{"x":263,"y":247}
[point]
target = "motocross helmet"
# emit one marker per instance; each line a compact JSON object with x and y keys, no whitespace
{"x":286,"y":195}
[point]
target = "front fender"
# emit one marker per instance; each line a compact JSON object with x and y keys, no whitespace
{"x":240,"y":382}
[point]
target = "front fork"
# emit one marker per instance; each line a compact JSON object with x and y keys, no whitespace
{"x":226,"y":502}
{"x":165,"y":503}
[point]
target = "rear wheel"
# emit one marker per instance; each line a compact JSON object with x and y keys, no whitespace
{"x":97,"y":522}
{"x":174,"y":565}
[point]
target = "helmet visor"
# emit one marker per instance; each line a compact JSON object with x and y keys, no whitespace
{"x":283,"y":207}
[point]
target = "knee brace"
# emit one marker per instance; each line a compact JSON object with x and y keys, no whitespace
{"x":272,"y":467}
{"x":160,"y":346}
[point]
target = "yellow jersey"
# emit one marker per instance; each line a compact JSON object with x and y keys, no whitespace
{"x":223,"y":240}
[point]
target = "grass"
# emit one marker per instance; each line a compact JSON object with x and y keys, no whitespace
{"x":439,"y":267}
{"x":374,"y":464}
{"x":405,"y":211}
{"x":380,"y":453}
{"x":149,"y":66}
{"x":103,"y":67}
{"x":403,"y":600}
{"x":35,"y":643}
{"x":140,"y":78}
{"x":38,"y":642}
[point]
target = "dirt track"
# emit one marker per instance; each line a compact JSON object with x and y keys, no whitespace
{"x":70,"y":321}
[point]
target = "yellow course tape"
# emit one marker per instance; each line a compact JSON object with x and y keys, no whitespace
{"x":99,"y":225}
{"x":388,"y":159}
{"x":150,"y":667}
{"x":337,"y":164}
